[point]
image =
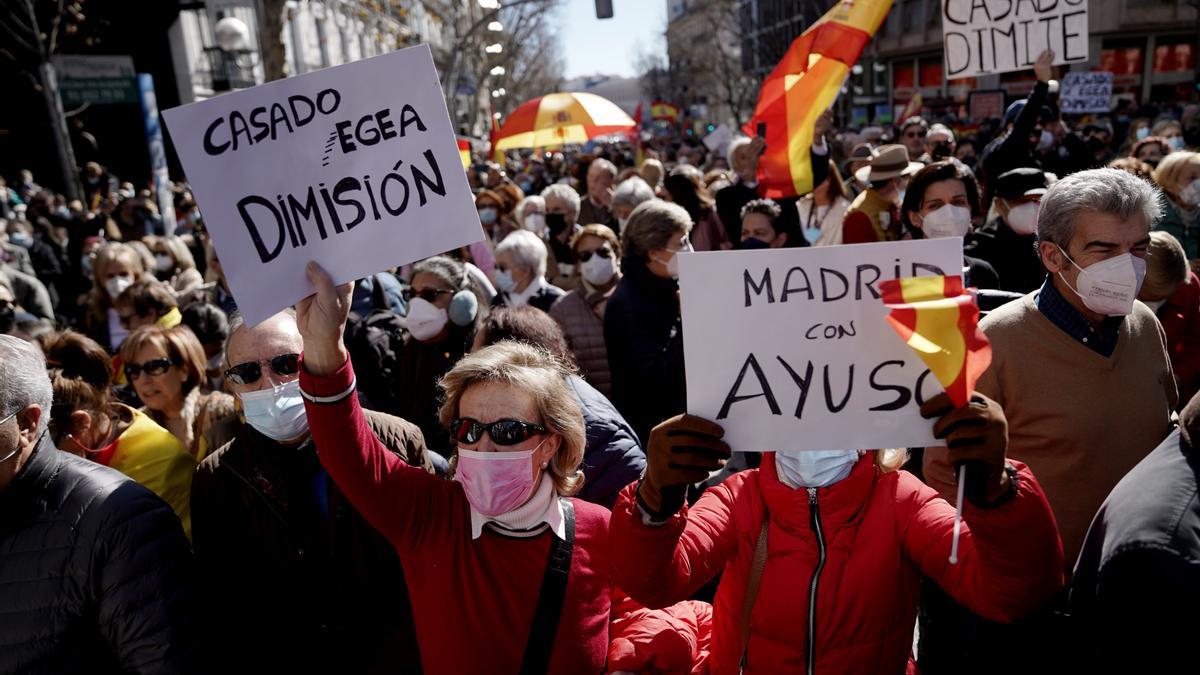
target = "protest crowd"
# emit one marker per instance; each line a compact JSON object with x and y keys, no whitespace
{"x":482,"y":461}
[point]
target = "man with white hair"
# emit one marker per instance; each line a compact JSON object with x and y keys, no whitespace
{"x":629,"y":193}
{"x":939,"y":144}
{"x":597,"y":203}
{"x":96,"y":571}
{"x":1081,"y":370}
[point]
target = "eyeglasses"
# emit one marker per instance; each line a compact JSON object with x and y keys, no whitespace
{"x":429,"y":295}
{"x":503,"y":432}
{"x":16,"y":449}
{"x":151,"y":367}
{"x":250,"y":371}
{"x":603,"y":252}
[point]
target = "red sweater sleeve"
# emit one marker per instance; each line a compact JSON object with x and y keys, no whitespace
{"x":1010,"y":558}
{"x":406,"y":504}
{"x":661,"y":565}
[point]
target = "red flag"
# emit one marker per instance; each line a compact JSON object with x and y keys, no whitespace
{"x":939,"y":319}
{"x":803,"y":85}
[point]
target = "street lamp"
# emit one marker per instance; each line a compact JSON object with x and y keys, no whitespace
{"x":498,"y":70}
{"x":494,"y":48}
{"x":495,"y":26}
{"x":489,"y":4}
{"x":231,"y":57}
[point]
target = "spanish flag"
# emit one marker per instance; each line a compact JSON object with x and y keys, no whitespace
{"x":803,"y":85}
{"x":464,"y":151}
{"x":661,"y":110}
{"x":939,"y":319}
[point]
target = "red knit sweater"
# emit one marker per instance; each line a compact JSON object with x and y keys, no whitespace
{"x":473,"y":600}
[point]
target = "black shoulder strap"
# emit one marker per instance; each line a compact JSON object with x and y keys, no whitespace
{"x":550,"y":598}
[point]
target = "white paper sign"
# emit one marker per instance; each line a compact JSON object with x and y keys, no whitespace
{"x":981,"y":37}
{"x":1084,"y":92}
{"x":356,"y":167}
{"x":789,"y":349}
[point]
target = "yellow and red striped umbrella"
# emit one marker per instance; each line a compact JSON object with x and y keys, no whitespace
{"x":561,"y":119}
{"x":939,"y":319}
{"x":803,"y":85}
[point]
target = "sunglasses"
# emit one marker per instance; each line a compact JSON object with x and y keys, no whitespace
{"x":915,"y":134}
{"x":503,"y":432}
{"x":250,"y":371}
{"x":603,"y":252}
{"x":151,"y":367}
{"x":429,"y":295}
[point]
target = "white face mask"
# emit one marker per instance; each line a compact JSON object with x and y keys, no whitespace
{"x":1190,"y":194}
{"x":278,"y":412}
{"x":504,"y":280}
{"x":1023,"y":219}
{"x":1110,"y":286}
{"x":814,"y":468}
{"x":598,"y":271}
{"x":673,"y":263}
{"x":535,"y":223}
{"x":1155,"y":304}
{"x":163,"y":262}
{"x":946,"y":221}
{"x":621,"y":223}
{"x":426,"y":320}
{"x":116,"y":285}
{"x":1046,"y":140}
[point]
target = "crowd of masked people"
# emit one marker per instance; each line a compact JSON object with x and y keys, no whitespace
{"x":481,"y":462}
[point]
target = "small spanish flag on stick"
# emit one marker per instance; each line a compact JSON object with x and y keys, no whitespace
{"x":464,"y":151}
{"x":803,"y":85}
{"x":939,"y":319}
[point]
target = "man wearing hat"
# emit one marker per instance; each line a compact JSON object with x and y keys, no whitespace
{"x":859,"y":157}
{"x":875,"y":214}
{"x":1024,"y":122}
{"x":1009,"y":241}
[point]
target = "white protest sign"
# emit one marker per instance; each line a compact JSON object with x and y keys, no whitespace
{"x":1084,"y":92}
{"x":981,"y":37}
{"x":356,"y":167}
{"x":718,"y":141}
{"x":789,"y":349}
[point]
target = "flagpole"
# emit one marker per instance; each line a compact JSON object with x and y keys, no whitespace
{"x":962,"y":482}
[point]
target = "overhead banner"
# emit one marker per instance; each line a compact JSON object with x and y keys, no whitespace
{"x":356,"y":167}
{"x":1084,"y":92}
{"x":790,"y":349}
{"x":982,"y":37}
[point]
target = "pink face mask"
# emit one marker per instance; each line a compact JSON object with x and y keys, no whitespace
{"x":496,"y":482}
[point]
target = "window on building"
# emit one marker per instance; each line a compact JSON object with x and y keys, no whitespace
{"x":911,"y":15}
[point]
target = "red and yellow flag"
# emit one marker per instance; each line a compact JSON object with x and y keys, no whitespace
{"x":939,"y":319}
{"x":803,"y":85}
{"x":661,"y":110}
{"x":912,"y":108}
{"x":464,"y":151}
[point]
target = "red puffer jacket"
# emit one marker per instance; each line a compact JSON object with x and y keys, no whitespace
{"x":844,"y":563}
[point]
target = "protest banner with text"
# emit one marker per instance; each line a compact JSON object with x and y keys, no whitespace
{"x":982,"y":37}
{"x":356,"y":167}
{"x":790,"y":349}
{"x":1086,"y":92}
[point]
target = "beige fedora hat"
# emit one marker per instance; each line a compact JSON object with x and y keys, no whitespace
{"x":889,"y":161}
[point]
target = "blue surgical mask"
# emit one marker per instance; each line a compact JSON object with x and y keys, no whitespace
{"x":277,"y":413}
{"x":487,"y":216}
{"x":814,"y":468}
{"x":504,"y":280}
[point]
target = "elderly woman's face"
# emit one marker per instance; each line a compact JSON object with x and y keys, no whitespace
{"x":488,"y":402}
{"x":505,"y":260}
{"x":428,"y":284}
{"x":1151,"y":153}
{"x":159,"y":383}
{"x":559,"y":205}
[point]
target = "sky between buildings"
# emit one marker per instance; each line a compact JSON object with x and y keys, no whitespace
{"x":594,"y":46}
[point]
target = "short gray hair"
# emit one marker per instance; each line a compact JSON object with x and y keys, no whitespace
{"x":650,"y":227}
{"x":631,"y":192}
{"x":733,"y":146}
{"x":24,"y":380}
{"x":565,"y":193}
{"x":604,"y":165}
{"x":1104,"y":190}
{"x":527,"y":248}
{"x":237,"y":322}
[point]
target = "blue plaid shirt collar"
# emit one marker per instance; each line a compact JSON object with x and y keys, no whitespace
{"x":1055,"y":307}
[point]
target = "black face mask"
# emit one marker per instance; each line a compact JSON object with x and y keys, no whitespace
{"x":556,"y":223}
{"x":941,"y":150}
{"x":751,"y":243}
{"x":969,"y":160}
{"x":8,"y":319}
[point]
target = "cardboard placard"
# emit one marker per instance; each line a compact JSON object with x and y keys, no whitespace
{"x":982,"y":37}
{"x":789,"y":349}
{"x":356,"y":167}
{"x":1086,"y":92}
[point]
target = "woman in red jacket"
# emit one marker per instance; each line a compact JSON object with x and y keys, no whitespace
{"x":823,"y":552}
{"x":1172,"y":290}
{"x":505,"y":573}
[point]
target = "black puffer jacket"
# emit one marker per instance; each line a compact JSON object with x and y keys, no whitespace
{"x":95,"y":573}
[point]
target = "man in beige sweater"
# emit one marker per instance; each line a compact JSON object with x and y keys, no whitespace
{"x":1080,"y":367}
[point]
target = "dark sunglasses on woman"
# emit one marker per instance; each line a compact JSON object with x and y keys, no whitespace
{"x":151,"y":367}
{"x":429,"y":295}
{"x":503,"y":432}
{"x":250,"y":371}
{"x":603,"y":252}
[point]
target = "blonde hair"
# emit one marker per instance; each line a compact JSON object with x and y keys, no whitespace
{"x":1166,"y":266}
{"x":1170,"y":170}
{"x":539,"y":374}
{"x":107,"y":255}
{"x":890,"y":459}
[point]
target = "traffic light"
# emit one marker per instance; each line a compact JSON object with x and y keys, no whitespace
{"x":604,"y":9}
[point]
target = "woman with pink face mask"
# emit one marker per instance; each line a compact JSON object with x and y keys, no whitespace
{"x":506,"y":572}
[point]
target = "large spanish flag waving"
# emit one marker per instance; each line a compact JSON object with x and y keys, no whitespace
{"x":803,"y":85}
{"x":939,"y":319}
